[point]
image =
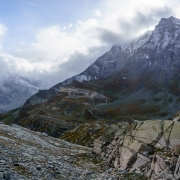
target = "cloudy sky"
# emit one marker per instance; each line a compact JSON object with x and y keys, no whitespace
{"x":53,"y":40}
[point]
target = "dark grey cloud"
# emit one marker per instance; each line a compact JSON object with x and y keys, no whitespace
{"x":141,"y":20}
{"x":128,"y":28}
{"x":111,"y":37}
{"x":5,"y":70}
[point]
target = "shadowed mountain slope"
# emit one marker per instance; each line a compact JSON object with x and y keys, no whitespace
{"x":139,"y":81}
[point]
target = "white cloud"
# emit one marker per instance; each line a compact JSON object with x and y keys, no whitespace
{"x":3,"y":30}
{"x":56,"y":44}
{"x":32,"y":4}
{"x":59,"y":52}
{"x":97,"y":13}
{"x":70,"y":25}
{"x":22,"y":66}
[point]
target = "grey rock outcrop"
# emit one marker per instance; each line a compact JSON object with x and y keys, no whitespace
{"x":76,"y":93}
{"x":150,"y":148}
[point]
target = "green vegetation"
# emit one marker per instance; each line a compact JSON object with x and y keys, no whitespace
{"x":84,"y":134}
{"x":9,"y":117}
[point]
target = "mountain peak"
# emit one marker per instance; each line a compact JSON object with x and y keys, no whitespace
{"x":170,"y":20}
{"x":165,"y":33}
{"x":150,"y":63}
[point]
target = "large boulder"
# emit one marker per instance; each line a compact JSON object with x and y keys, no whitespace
{"x":149,"y":132}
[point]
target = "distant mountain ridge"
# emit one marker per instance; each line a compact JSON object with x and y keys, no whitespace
{"x":15,"y":90}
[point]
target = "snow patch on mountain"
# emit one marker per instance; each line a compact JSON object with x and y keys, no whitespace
{"x":82,"y":77}
{"x":131,"y":48}
{"x":96,"y":68}
{"x":146,"y":56}
{"x":166,"y":33}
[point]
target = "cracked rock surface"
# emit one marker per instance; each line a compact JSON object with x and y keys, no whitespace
{"x":149,"y":148}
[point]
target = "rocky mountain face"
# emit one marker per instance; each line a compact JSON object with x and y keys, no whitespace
{"x":150,"y":148}
{"x":141,"y":78}
{"x":62,"y":112}
{"x":15,"y":90}
{"x":137,"y":81}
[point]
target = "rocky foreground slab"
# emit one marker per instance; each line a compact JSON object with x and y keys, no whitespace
{"x":25,"y":154}
{"x":128,"y":150}
{"x":149,"y":148}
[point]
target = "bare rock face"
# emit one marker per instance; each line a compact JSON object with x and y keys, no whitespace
{"x":149,"y":132}
{"x":174,"y":138}
{"x":150,"y":148}
{"x":176,"y":150}
{"x":141,"y":160}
